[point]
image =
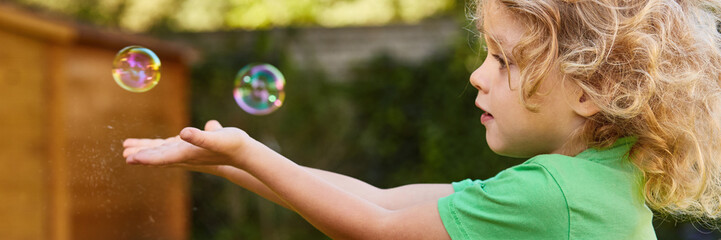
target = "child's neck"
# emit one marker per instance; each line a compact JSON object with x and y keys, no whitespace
{"x":572,"y":147}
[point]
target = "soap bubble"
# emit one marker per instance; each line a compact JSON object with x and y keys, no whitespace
{"x":259,"y":89}
{"x":136,"y":69}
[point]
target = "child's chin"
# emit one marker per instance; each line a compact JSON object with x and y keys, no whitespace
{"x":502,"y":150}
{"x":498,"y":148}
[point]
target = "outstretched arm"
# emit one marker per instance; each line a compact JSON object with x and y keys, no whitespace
{"x":392,"y":198}
{"x":333,"y":210}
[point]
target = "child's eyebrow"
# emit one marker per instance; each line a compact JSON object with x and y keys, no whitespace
{"x":494,"y":42}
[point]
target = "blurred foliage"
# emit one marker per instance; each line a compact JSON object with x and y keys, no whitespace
{"x":202,"y":15}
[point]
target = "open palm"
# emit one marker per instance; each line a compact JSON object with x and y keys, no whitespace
{"x":214,"y":146}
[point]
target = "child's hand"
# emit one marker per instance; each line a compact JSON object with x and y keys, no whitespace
{"x":192,"y":149}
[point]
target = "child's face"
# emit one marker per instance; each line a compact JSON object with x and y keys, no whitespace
{"x":512,"y":129}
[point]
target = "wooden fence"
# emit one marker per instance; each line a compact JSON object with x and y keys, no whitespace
{"x":62,"y":122}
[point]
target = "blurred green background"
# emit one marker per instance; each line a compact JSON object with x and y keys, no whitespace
{"x":381,"y":118}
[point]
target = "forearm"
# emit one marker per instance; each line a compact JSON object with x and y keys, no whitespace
{"x":247,"y":181}
{"x":250,"y":183}
{"x":332,"y":210}
{"x":393,"y":198}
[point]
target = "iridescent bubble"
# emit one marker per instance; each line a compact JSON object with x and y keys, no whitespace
{"x":259,"y":89}
{"x":136,"y":69}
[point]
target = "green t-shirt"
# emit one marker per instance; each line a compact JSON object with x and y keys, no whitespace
{"x":594,"y":195}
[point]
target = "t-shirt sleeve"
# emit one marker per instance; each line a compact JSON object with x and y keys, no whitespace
{"x":521,"y":202}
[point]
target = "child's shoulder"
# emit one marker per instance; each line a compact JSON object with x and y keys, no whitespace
{"x":550,"y":197}
{"x":593,"y":171}
{"x":602,"y":183}
{"x":598,"y":189}
{"x":583,"y":176}
{"x":613,"y":160}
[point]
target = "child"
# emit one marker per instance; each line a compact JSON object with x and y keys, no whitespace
{"x":614,"y":102}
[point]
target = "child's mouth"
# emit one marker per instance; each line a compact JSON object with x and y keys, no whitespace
{"x":485,"y":117}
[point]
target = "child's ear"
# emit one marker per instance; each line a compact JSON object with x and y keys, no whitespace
{"x":583,"y":106}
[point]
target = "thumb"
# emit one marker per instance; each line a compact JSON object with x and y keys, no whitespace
{"x":196,"y":137}
{"x":212,"y":125}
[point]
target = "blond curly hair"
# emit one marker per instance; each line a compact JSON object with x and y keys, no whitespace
{"x":653,"y":67}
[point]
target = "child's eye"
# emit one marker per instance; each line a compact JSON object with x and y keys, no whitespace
{"x":500,"y":61}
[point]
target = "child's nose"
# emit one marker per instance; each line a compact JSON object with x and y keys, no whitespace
{"x":479,"y":80}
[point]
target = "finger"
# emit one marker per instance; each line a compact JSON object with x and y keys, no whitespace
{"x":130,"y":142}
{"x":195,"y":136}
{"x":173,"y":138}
{"x":134,"y":142}
{"x":212,"y":125}
{"x":134,"y":149}
{"x":147,"y":160}
{"x":157,"y":156}
{"x":130,"y":151}
{"x":131,"y":160}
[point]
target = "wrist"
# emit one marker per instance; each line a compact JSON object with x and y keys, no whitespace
{"x":244,"y":153}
